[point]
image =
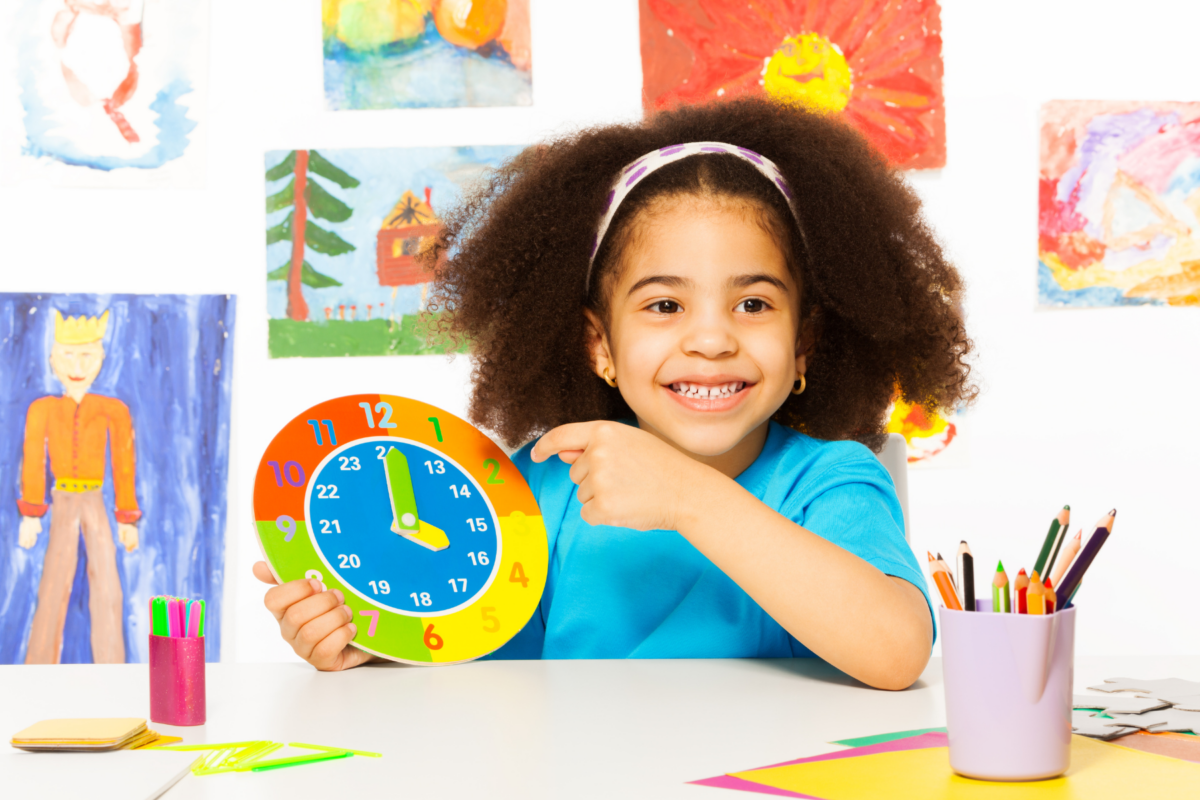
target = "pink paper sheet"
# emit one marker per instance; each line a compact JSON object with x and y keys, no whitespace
{"x":921,"y":742}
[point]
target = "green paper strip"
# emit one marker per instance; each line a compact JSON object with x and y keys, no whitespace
{"x":280,"y":763}
{"x":249,"y":753}
{"x":866,"y":741}
{"x":214,"y":746}
{"x":335,"y":749}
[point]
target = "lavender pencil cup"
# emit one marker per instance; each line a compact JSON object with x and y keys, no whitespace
{"x":1008,"y":684}
{"x":177,"y":680}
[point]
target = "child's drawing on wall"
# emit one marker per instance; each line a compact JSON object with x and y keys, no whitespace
{"x":114,"y":450}
{"x":74,"y":429}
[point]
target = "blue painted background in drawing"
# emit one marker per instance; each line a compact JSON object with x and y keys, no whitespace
{"x":169,"y":359}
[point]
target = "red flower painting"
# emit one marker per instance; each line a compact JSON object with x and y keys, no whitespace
{"x":876,"y":62}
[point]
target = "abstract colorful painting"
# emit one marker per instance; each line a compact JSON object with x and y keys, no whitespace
{"x":109,"y":93}
{"x":878,"y":63}
{"x":426,"y":53}
{"x":1119,"y":204}
{"x":934,"y":440}
{"x":345,"y":228}
{"x":114,"y":460}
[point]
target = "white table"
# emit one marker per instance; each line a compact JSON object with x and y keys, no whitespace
{"x":519,"y":729}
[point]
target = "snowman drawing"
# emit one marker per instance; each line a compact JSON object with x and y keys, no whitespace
{"x":98,"y":42}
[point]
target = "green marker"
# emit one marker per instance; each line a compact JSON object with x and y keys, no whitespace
{"x":159,"y":622}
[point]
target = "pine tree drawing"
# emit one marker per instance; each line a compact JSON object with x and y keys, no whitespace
{"x":304,"y":196}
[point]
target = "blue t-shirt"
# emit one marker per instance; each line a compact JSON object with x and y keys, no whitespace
{"x":622,"y":593}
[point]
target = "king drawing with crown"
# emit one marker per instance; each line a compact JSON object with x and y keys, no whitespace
{"x":75,"y":430}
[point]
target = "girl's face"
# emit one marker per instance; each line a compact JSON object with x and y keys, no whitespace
{"x":703,"y":335}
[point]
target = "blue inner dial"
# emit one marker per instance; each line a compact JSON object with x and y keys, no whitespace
{"x":350,"y":520}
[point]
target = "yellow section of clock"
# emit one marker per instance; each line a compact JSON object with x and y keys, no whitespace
{"x":508,"y":603}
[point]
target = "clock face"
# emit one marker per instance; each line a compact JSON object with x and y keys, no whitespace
{"x":425,"y":525}
{"x":394,"y":557}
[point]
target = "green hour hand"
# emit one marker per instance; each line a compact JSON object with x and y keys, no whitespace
{"x":405,"y":519}
{"x":400,"y":490}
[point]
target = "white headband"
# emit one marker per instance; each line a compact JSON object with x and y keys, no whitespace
{"x":633,"y":174}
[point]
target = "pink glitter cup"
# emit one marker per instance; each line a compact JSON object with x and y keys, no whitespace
{"x":177,"y":680}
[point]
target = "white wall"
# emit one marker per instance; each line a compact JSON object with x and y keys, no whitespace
{"x":1096,"y":408}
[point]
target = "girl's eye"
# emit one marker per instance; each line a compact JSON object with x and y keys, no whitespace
{"x":752,"y":306}
{"x":665,"y":307}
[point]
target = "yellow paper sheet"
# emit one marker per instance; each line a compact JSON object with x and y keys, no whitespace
{"x":80,"y":731}
{"x":1098,"y":771}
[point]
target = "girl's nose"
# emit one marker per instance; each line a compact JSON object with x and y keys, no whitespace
{"x":709,"y":334}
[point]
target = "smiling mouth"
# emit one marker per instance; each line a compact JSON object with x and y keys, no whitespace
{"x":701,"y":391}
{"x":80,"y":378}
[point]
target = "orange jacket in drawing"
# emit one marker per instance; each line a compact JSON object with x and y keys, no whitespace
{"x":76,"y":435}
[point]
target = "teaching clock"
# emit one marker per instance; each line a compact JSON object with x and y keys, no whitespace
{"x":420,"y":520}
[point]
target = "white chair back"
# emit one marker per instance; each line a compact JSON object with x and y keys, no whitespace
{"x":894,"y":457}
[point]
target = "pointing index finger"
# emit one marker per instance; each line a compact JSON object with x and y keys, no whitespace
{"x":568,"y":440}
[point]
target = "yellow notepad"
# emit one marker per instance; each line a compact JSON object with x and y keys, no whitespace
{"x":80,"y":732}
{"x":1099,"y":771}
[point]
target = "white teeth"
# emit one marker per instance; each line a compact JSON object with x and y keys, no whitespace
{"x":700,"y":391}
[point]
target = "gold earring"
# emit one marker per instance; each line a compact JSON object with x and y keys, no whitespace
{"x":610,"y":381}
{"x":803,"y":385}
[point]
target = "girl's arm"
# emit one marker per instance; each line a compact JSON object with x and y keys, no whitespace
{"x":874,"y":627}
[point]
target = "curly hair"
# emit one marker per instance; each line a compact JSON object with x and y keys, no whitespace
{"x":512,"y":261}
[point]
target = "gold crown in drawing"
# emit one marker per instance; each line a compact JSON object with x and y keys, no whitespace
{"x":79,"y":330}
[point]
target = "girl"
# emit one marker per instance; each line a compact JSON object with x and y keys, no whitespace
{"x":706,"y":314}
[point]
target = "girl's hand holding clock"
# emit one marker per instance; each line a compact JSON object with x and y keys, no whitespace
{"x":315,"y":622}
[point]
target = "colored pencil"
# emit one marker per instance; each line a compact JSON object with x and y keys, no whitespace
{"x":1058,"y":523}
{"x":1063,"y":536}
{"x":1074,"y":575}
{"x":1021,"y":589}
{"x":1069,"y":552}
{"x":949,"y":572}
{"x":945,"y":567}
{"x":941,"y":577}
{"x":1035,"y":595}
{"x":1000,"y":600}
{"x":1049,"y":595}
{"x":966,"y":575}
